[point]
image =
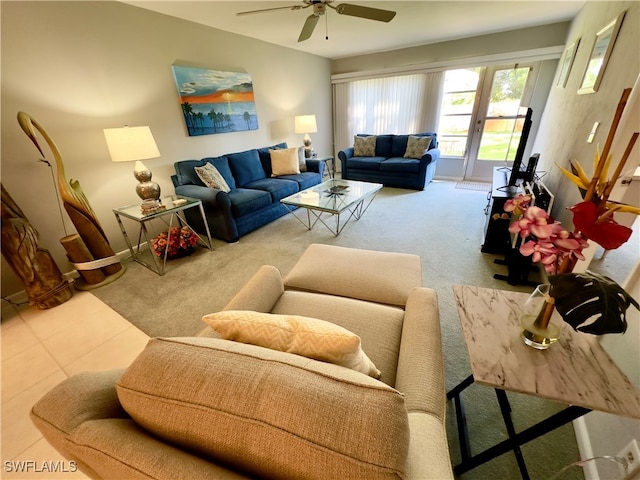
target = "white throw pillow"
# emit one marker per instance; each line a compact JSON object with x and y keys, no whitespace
{"x":416,"y":147}
{"x":284,"y":161}
{"x":309,"y":337}
{"x":212,"y":178}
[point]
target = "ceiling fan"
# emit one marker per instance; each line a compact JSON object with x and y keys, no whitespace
{"x":320,"y":7}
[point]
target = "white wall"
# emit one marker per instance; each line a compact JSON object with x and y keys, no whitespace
{"x":79,"y":67}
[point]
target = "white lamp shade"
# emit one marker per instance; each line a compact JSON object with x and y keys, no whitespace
{"x":130,"y":143}
{"x":306,"y":124}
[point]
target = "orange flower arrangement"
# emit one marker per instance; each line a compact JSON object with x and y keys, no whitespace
{"x":175,"y":242}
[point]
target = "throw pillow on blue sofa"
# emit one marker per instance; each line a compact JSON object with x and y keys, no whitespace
{"x":416,"y":146}
{"x":222,"y":164}
{"x":246,"y":167}
{"x":265,"y":156}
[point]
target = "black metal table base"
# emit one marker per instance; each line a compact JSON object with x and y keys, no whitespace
{"x":515,"y":440}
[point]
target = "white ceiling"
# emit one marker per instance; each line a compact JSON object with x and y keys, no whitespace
{"x":416,"y":22}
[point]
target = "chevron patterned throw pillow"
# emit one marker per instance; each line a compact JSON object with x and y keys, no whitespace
{"x":309,"y":337}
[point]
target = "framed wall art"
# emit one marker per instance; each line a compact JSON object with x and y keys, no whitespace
{"x":602,"y":48}
{"x":567,"y":62}
{"x":215,"y":101}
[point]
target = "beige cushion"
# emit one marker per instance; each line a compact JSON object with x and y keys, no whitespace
{"x":378,"y":326}
{"x":364,"y":146}
{"x":309,"y":337}
{"x":212,"y":178}
{"x":382,"y":277}
{"x":266,"y":413}
{"x":284,"y":161}
{"x":416,"y":146}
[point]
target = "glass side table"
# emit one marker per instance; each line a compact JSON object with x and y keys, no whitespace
{"x":173,"y":207}
{"x":327,"y":159}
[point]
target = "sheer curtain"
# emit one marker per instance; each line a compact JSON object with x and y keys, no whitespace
{"x":401,"y":104}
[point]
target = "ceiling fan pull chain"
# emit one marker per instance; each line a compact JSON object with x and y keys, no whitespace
{"x":326,"y":27}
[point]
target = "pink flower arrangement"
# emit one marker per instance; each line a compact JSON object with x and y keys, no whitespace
{"x":544,"y":239}
{"x":175,"y":241}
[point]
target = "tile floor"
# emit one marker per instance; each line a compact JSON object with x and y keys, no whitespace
{"x":39,"y":349}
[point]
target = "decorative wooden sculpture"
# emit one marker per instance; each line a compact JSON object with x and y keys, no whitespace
{"x":43,"y":281}
{"x":89,"y":250}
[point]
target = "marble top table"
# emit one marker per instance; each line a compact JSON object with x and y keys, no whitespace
{"x":576,"y":370}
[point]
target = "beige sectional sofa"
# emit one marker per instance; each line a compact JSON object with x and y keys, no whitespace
{"x":208,"y":407}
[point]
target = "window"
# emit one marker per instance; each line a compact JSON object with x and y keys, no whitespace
{"x":505,"y":117}
{"x":402,"y":104}
{"x":386,"y":105}
{"x":458,"y":100}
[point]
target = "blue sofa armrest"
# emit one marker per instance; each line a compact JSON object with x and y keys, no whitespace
{"x":217,"y":210}
{"x":431,"y":155}
{"x":345,"y":154}
{"x":210,"y":197}
{"x":314,"y":165}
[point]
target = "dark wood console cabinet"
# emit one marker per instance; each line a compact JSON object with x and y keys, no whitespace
{"x":496,"y":237}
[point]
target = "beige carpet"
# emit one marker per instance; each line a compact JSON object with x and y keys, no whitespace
{"x":442,"y":224}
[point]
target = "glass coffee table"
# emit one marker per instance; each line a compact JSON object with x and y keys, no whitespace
{"x":338,"y":198}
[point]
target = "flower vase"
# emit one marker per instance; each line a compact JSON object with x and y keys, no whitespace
{"x":540,"y":328}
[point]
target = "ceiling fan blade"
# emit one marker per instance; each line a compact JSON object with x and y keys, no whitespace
{"x":308,"y":27}
{"x":291,"y":7}
{"x":365,"y":12}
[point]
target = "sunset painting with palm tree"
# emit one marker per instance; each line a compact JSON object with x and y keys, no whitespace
{"x":215,"y":101}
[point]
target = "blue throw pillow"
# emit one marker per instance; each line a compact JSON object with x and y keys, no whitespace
{"x":222,"y":164}
{"x":398,"y":145}
{"x":384,"y":146}
{"x":246,"y":167}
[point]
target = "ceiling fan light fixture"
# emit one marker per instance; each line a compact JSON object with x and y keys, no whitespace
{"x":319,"y":8}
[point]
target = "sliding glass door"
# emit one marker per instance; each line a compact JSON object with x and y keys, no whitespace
{"x":482,"y":116}
{"x":502,"y":109}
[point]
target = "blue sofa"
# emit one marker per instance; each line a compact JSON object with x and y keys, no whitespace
{"x":389,"y":166}
{"x":254,"y":199}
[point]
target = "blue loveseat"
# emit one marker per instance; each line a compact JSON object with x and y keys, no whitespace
{"x":254,"y":198}
{"x":389,"y":166}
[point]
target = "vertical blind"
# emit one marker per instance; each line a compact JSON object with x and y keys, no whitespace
{"x":402,"y":104}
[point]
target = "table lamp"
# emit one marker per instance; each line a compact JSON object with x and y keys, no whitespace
{"x":127,"y":144}
{"x":306,"y":124}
